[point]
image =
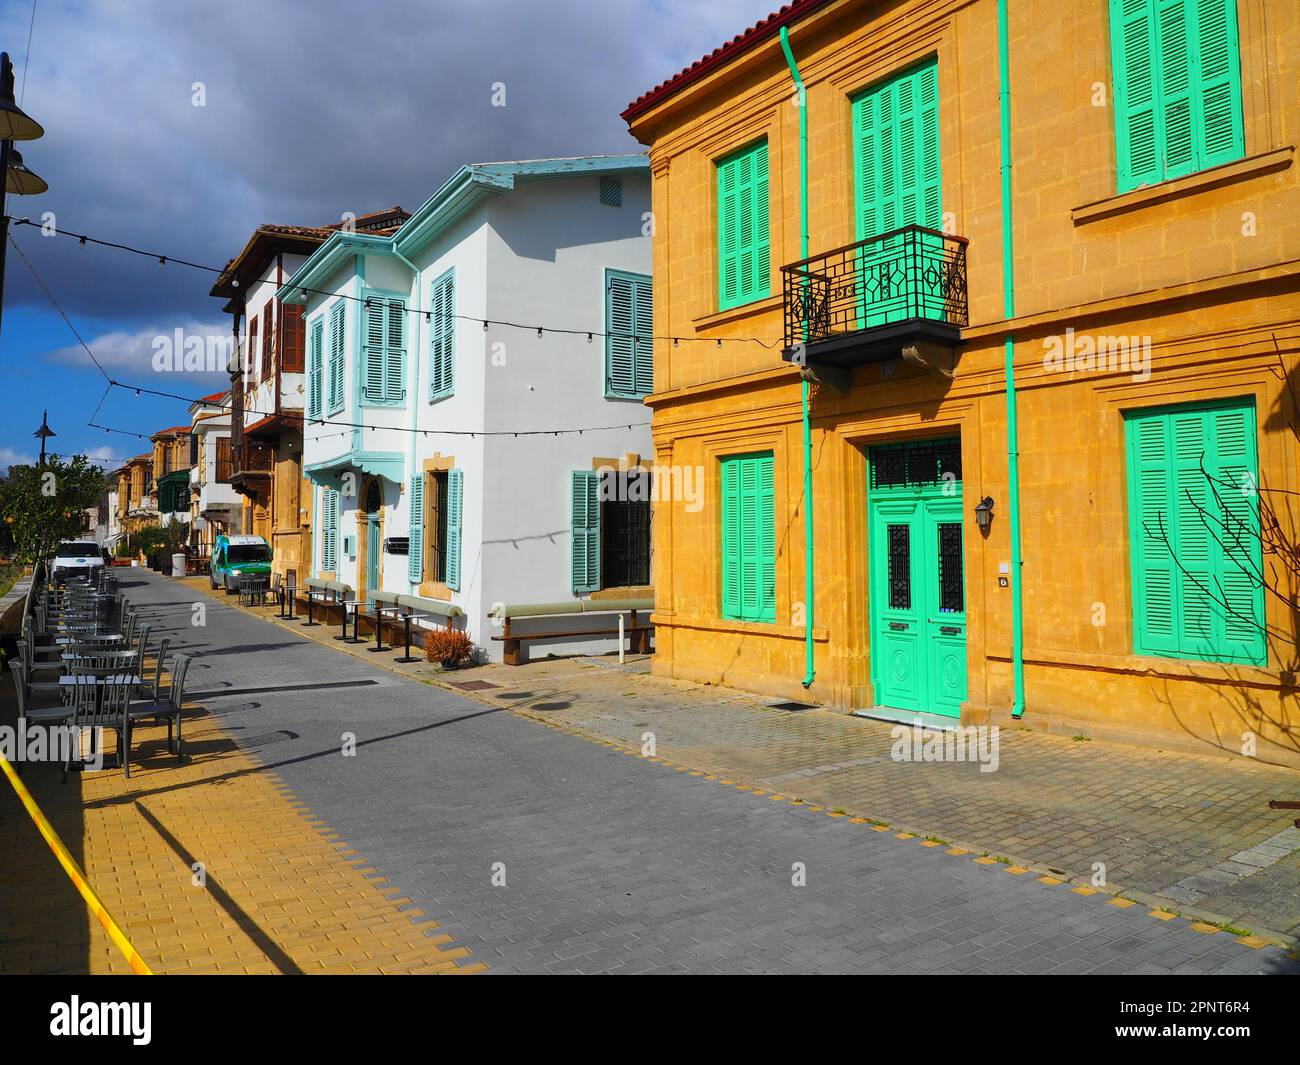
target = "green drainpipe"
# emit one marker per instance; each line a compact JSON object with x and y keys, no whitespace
{"x":414,"y":349}
{"x":810,"y":669}
{"x":1013,"y":428}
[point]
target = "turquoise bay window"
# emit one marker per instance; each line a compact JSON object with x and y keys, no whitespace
{"x":1176,"y":66}
{"x":748,"y":538}
{"x":1194,"y":533}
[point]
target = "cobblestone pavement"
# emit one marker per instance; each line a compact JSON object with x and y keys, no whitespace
{"x":541,"y":851}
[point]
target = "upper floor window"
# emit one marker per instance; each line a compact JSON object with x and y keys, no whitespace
{"x":384,"y":350}
{"x":442,"y":332}
{"x":744,"y":242}
{"x":316,"y":369}
{"x":338,"y":320}
{"x":629,"y":328}
{"x":1177,"y":72}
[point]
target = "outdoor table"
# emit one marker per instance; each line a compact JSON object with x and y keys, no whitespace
{"x":99,"y":682}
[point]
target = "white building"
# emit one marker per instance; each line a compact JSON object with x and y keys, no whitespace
{"x":217,"y":507}
{"x":416,"y":389}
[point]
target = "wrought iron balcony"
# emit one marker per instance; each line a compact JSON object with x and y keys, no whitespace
{"x":870,"y":300}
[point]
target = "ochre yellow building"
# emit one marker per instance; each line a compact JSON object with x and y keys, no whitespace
{"x":1155,"y":244}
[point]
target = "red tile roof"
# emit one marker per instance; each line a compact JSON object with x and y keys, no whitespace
{"x":742,"y":42}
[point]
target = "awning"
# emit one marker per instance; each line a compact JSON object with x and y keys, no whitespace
{"x":329,"y":473}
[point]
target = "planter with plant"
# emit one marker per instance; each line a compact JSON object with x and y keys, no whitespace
{"x":450,"y":647}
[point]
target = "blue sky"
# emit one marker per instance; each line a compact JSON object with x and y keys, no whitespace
{"x":310,"y":110}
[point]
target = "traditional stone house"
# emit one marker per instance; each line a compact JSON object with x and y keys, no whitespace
{"x":885,"y":215}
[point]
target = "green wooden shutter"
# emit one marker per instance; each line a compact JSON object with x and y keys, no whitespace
{"x":442,"y":354}
{"x":1194,"y":530}
{"x":744,"y":239}
{"x":629,"y":334}
{"x":394,"y":351}
{"x":748,"y":538}
{"x":329,"y":560}
{"x":415,"y":550}
{"x":315,"y":369}
{"x":337,"y":322}
{"x":372,"y":356}
{"x":1177,"y":72}
{"x":455,"y":508}
{"x":620,"y":310}
{"x":897,"y":177}
{"x":643,"y":379}
{"x":1216,"y":92}
{"x":584,"y":556}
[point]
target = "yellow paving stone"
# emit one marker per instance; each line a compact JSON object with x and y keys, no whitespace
{"x":1205,"y":929}
{"x":931,"y":843}
{"x":1123,"y":904}
{"x":1084,"y":890}
{"x":1254,"y":942}
{"x":986,"y":861}
{"x":1017,"y":870}
{"x":905,"y":835}
{"x":282,"y":894}
{"x":880,"y":828}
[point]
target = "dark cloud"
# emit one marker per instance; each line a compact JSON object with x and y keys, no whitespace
{"x":312,"y":109}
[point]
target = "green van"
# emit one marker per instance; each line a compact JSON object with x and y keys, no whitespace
{"x":238,"y":556}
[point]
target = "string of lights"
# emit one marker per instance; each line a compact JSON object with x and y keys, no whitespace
{"x":540,"y":330}
{"x":364,"y":426}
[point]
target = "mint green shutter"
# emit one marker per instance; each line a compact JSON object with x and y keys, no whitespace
{"x":415,"y":550}
{"x":584,"y":555}
{"x":337,"y":323}
{"x":1177,"y":73}
{"x":643,"y":379}
{"x":455,"y":508}
{"x":329,"y":559}
{"x":744,"y":240}
{"x":442,"y":354}
{"x":1194,"y":529}
{"x":394,"y":351}
{"x":315,"y":369}
{"x":748,"y":539}
{"x":629,"y":340}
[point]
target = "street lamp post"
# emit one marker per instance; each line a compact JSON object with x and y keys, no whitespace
{"x":44,"y":433}
{"x":15,"y":125}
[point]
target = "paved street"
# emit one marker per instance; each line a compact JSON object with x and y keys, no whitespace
{"x":540,"y":851}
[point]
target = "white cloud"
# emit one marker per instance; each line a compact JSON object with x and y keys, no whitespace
{"x":10,"y":457}
{"x":135,"y":350}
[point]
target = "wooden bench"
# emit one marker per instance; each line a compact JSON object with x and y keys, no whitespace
{"x":513,"y":639}
{"x":327,"y":593}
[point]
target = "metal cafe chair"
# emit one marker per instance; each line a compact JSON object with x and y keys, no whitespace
{"x":63,"y":714}
{"x":102,"y":684}
{"x":169,"y":708}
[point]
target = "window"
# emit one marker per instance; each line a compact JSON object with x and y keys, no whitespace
{"x":611,"y":191}
{"x":1194,"y":533}
{"x":625,"y":531}
{"x":329,"y":526}
{"x":744,"y":246}
{"x":629,"y":329}
{"x":316,"y":369}
{"x":442,"y":351}
{"x":251,"y":352}
{"x":268,"y":336}
{"x":896,"y":153}
{"x":748,"y":538}
{"x":337,"y":321}
{"x":384,"y":350}
{"x":291,"y":338}
{"x":442,"y":539}
{"x":1177,"y":72}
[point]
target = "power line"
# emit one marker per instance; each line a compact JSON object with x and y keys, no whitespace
{"x":540,"y":330}
{"x":55,"y":304}
{"x":27,"y":56}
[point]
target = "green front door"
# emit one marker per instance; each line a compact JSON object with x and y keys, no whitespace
{"x":917,"y":577}
{"x":373,"y":547}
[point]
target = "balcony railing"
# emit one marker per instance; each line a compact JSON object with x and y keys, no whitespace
{"x":908,"y":275}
